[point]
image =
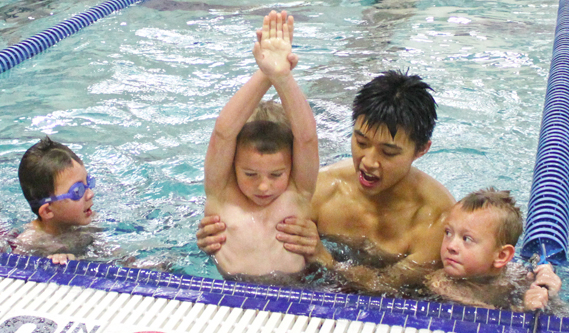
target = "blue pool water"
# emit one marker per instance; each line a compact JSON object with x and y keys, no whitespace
{"x":137,"y":93}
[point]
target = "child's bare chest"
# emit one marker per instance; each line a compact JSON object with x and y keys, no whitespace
{"x":251,"y":246}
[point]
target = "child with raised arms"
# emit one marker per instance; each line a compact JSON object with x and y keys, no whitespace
{"x":259,"y":172}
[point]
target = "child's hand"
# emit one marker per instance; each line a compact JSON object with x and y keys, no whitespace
{"x":536,"y":298}
{"x":272,"y":53}
{"x":292,"y":57}
{"x":546,"y":278}
{"x":61,"y":258}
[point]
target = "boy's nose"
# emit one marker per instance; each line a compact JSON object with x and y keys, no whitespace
{"x":264,"y":185}
{"x":371,"y":159}
{"x":451,"y":246}
{"x":89,"y":194}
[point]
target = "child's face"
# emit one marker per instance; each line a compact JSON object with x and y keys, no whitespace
{"x":469,"y":245}
{"x":69,"y":212}
{"x":262,"y":177}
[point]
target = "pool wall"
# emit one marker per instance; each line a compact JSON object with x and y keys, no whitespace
{"x":299,"y":302}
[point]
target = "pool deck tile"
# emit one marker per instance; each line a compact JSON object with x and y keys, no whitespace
{"x":276,"y":306}
{"x":232,"y":301}
{"x":494,"y":316}
{"x":410,"y":307}
{"x":300,"y":309}
{"x":469,"y":314}
{"x":446,"y":310}
{"x":294,"y":296}
{"x":255,"y":303}
{"x":442,"y":325}
{"x":465,"y":327}
{"x":393,"y":319}
{"x":482,"y":315}
{"x":347,"y":313}
{"x":40,"y":276}
{"x":143,"y":290}
{"x":81,"y":281}
{"x":306,"y":296}
{"x":194,"y":296}
{"x":415,"y":322}
{"x":340,"y":300}
{"x":209,"y":298}
{"x":565,"y":324}
{"x":434,"y":310}
{"x":102,"y":284}
{"x":457,"y":312}
{"x":372,"y":316}
{"x":554,"y":324}
{"x":506,"y":318}
{"x":398,"y":306}
{"x":322,"y":312}
{"x":61,"y":278}
{"x":123,"y":287}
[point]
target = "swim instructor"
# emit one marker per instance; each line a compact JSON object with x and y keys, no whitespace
{"x":377,"y":202}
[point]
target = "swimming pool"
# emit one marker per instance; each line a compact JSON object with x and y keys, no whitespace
{"x":136,"y":96}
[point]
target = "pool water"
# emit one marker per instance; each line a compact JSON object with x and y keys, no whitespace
{"x":136,"y":94}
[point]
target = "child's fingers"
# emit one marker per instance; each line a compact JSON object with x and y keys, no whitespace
{"x":285,"y":33}
{"x":266,"y":31}
{"x":293,"y":60}
{"x":257,"y":53}
{"x":280,"y":25}
{"x":259,"y":33}
{"x":272,"y":24}
{"x":290,"y":24}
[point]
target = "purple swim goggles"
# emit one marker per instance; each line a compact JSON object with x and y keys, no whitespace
{"x":76,"y":192}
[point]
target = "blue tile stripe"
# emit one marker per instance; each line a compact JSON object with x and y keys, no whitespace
{"x":391,"y":311}
{"x":17,"y":53}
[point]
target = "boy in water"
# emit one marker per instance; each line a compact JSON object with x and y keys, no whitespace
{"x":59,"y":191}
{"x":479,"y":241}
{"x":257,"y":173}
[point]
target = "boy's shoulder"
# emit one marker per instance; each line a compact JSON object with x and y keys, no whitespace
{"x":430,"y":192}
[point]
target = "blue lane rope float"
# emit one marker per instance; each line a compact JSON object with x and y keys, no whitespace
{"x":17,"y":53}
{"x":547,"y":224}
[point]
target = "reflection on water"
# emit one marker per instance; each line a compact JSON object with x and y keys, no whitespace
{"x":137,"y":93}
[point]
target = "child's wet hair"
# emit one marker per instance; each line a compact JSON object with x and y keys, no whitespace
{"x":267,"y":130}
{"x":39,"y":168}
{"x":399,"y":101}
{"x":511,"y":223}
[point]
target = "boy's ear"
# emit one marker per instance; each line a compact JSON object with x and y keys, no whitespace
{"x":423,"y":149}
{"x":45,"y":212}
{"x":505,"y":255}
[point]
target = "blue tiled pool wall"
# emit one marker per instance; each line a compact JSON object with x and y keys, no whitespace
{"x":379,"y":310}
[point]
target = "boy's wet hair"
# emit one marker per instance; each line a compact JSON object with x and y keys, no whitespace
{"x":511,"y":226}
{"x":267,"y":130}
{"x":39,"y":168}
{"x":399,"y":101}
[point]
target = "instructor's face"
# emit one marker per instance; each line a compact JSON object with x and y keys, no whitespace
{"x":380,"y":160}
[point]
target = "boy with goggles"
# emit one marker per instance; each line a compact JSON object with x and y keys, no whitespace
{"x":59,"y":191}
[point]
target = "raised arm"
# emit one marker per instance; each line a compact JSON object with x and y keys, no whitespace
{"x":272,"y":56}
{"x":221,"y":150}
